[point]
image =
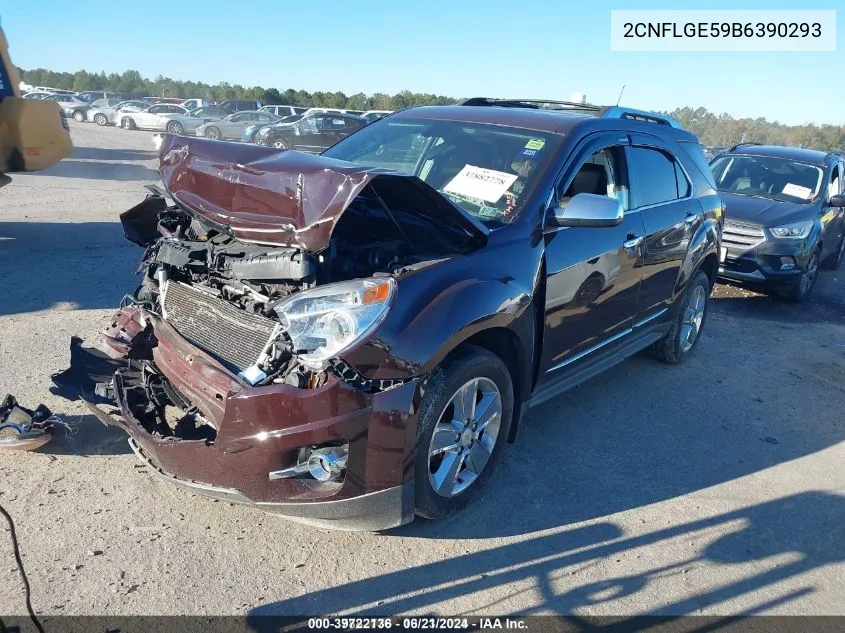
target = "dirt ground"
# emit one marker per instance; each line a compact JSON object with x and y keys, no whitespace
{"x":716,"y":487}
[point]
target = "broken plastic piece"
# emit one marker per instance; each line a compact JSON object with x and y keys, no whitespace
{"x":22,"y":428}
{"x":252,"y":374}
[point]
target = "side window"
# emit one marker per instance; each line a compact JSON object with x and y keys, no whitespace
{"x":601,"y":174}
{"x":835,"y":182}
{"x":654,"y":176}
{"x":684,"y":187}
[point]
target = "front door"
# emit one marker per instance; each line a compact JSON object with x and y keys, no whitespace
{"x":593,"y":274}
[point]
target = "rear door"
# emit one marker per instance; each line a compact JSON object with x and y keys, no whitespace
{"x":662,"y":192}
{"x":833,"y":218}
{"x":593,"y":274}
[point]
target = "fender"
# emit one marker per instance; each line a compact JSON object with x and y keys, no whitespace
{"x":704,"y":242}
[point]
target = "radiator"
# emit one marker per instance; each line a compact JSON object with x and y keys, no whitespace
{"x":233,"y":336}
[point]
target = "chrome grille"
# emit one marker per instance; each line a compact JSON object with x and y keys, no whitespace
{"x":739,"y":236}
{"x":233,"y":336}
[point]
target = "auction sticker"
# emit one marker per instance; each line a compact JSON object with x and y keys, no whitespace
{"x":478,"y":182}
{"x":535,"y":143}
{"x":797,"y":191}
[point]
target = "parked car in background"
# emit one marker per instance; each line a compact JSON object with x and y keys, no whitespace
{"x":234,"y":125}
{"x":188,"y":123}
{"x":252,"y":130}
{"x":282,"y":110}
{"x":93,"y":95}
{"x":238,"y":105}
{"x":373,"y":324}
{"x":38,"y":95}
{"x":374,"y":115}
{"x":194,"y":104}
{"x":313,"y":133}
{"x":71,"y":106}
{"x":153,"y":118}
{"x":784,"y":216}
{"x":107,"y":115}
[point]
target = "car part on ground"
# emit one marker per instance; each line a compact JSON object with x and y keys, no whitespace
{"x":785,"y":216}
{"x":25,"y":429}
{"x":356,"y":345}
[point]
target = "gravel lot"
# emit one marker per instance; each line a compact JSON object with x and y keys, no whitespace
{"x":716,"y":487}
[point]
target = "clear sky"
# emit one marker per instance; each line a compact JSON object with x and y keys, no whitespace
{"x":459,"y":48}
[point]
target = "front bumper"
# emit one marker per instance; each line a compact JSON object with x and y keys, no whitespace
{"x":261,"y":429}
{"x":763,"y":265}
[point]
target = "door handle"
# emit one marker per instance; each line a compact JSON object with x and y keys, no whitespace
{"x":632,"y":245}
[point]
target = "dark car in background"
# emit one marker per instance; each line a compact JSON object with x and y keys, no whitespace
{"x":313,"y":133}
{"x":350,"y":339}
{"x":784,"y":216}
{"x":238,"y":105}
{"x":253,"y":130}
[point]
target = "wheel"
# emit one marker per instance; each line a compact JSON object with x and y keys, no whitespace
{"x":685,"y":332}
{"x":174,"y":127}
{"x":279,"y":144}
{"x":464,"y":420}
{"x":101,"y":119}
{"x":78,"y":115}
{"x":127,"y":123}
{"x":213,"y":133}
{"x":834,"y":261}
{"x":803,"y":288}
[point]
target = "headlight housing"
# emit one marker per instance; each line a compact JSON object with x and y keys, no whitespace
{"x":796,"y":230}
{"x":323,"y":322}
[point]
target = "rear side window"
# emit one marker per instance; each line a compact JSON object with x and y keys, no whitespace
{"x":653,"y":175}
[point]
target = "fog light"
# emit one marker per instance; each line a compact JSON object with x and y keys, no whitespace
{"x":787,"y":263}
{"x":323,"y":463}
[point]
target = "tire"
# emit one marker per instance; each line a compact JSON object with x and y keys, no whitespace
{"x":213,"y":133}
{"x":803,"y":288}
{"x":834,"y":261}
{"x":101,"y":119}
{"x":277,"y":144}
{"x":174,"y":127}
{"x":682,"y":338}
{"x":483,"y":374}
{"x":127,"y":123}
{"x":78,"y":115}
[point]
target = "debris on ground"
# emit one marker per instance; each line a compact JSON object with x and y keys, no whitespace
{"x":26,"y":429}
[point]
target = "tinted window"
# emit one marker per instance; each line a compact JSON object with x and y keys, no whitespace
{"x":653,"y":177}
{"x":599,"y":175}
{"x":682,"y":182}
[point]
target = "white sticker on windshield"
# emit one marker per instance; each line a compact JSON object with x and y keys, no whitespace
{"x":797,"y":191}
{"x":478,"y":182}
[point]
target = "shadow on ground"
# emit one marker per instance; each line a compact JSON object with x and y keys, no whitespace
{"x":108,"y":154}
{"x":551,"y":562}
{"x":73,"y":168}
{"x":86,"y":264}
{"x":86,"y":436}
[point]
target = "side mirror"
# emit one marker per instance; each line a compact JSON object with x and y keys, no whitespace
{"x":837,"y":201}
{"x":589,"y":209}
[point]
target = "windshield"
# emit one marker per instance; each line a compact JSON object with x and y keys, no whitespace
{"x":767,"y":177}
{"x":488,"y":170}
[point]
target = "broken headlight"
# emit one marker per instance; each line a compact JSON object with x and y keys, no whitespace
{"x":324,"y":321}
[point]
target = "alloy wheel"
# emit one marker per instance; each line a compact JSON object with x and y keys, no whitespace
{"x":100,"y":119}
{"x":693,"y":318}
{"x":809,"y":276}
{"x":175,"y":128}
{"x":464,"y":437}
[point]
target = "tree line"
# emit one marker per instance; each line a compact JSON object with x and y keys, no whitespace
{"x":716,"y":130}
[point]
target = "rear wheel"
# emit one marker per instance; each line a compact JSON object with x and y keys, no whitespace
{"x":79,"y":115}
{"x":101,"y":119}
{"x":279,"y":144}
{"x":683,"y":336}
{"x":213,"y":133}
{"x":464,"y":420}
{"x":128,"y":123}
{"x":803,"y":288}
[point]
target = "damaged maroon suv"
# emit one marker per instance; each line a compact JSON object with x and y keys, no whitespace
{"x":350,"y":339}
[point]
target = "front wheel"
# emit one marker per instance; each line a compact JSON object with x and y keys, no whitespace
{"x":79,"y":116}
{"x":803,"y":288}
{"x":128,"y":123}
{"x":464,"y":420}
{"x":279,"y":144}
{"x":174,"y":127}
{"x":101,"y":119}
{"x":683,"y":336}
{"x":213,"y":133}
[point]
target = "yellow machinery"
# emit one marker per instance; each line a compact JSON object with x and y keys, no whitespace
{"x":33,"y":133}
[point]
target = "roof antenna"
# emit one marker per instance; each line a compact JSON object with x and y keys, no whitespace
{"x":620,"y":94}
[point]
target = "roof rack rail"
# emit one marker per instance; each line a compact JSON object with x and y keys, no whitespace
{"x":538,"y":104}
{"x":743,"y":145}
{"x":619,"y":112}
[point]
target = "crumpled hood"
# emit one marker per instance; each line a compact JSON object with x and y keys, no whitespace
{"x":764,"y":212}
{"x":286,"y":198}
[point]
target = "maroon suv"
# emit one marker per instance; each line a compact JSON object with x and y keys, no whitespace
{"x":350,"y":339}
